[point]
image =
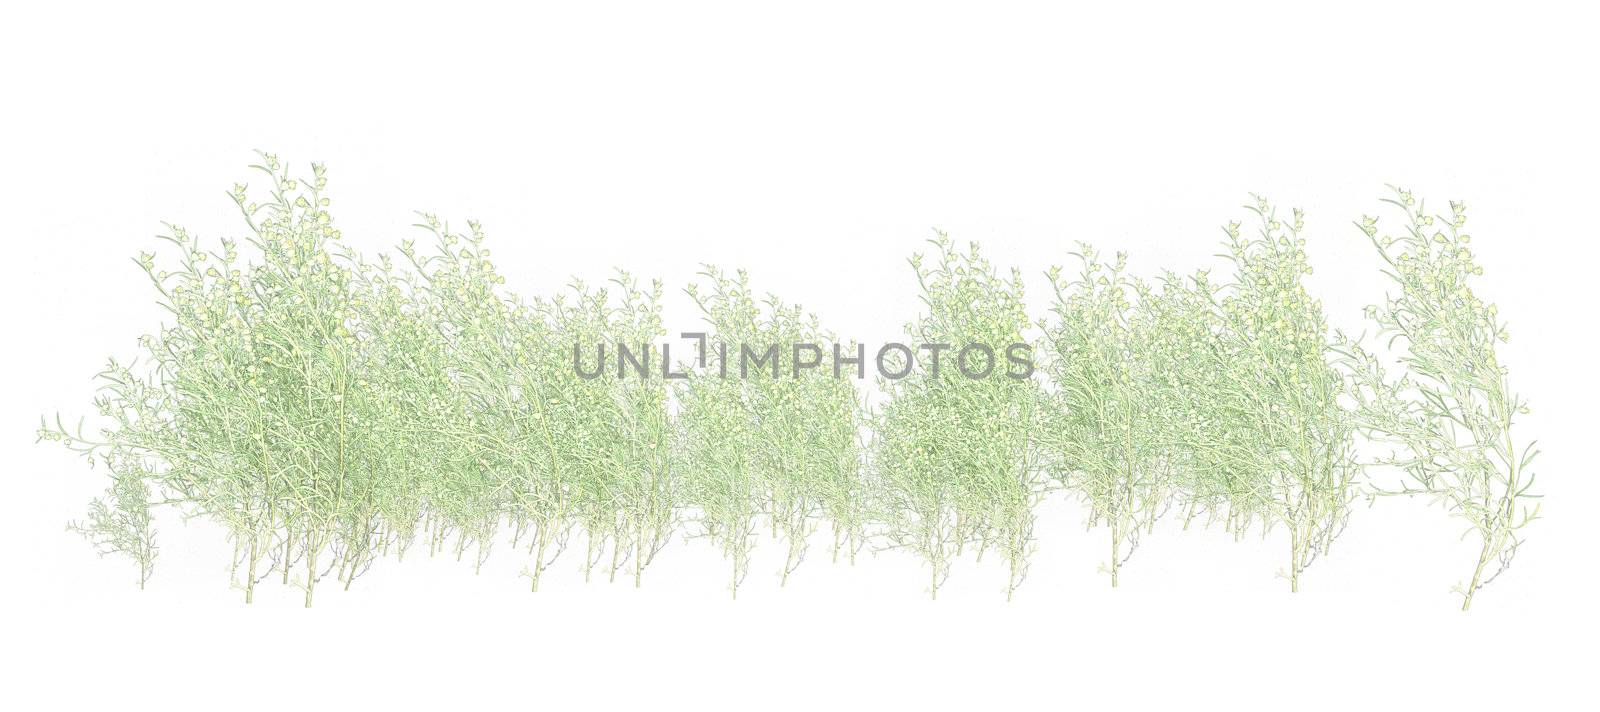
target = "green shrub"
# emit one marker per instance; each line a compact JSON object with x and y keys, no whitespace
{"x":1101,"y":425}
{"x":954,"y":457}
{"x":1284,"y":440}
{"x":776,"y":441}
{"x":1451,"y":410}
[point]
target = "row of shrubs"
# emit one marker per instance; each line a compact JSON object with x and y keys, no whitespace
{"x":331,"y":411}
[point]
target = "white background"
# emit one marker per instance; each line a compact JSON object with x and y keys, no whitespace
{"x":816,"y":146}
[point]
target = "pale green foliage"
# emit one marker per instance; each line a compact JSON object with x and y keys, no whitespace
{"x":953,"y":456}
{"x":609,"y":438}
{"x":1179,"y":370}
{"x":248,"y":411}
{"x":120,"y":523}
{"x":1221,"y":400}
{"x":326,"y":411}
{"x":1283,"y":448}
{"x":777,"y":441}
{"x":1101,"y":427}
{"x":521,"y":437}
{"x":1450,"y":412}
{"x":641,"y":495}
{"x":407,"y":392}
